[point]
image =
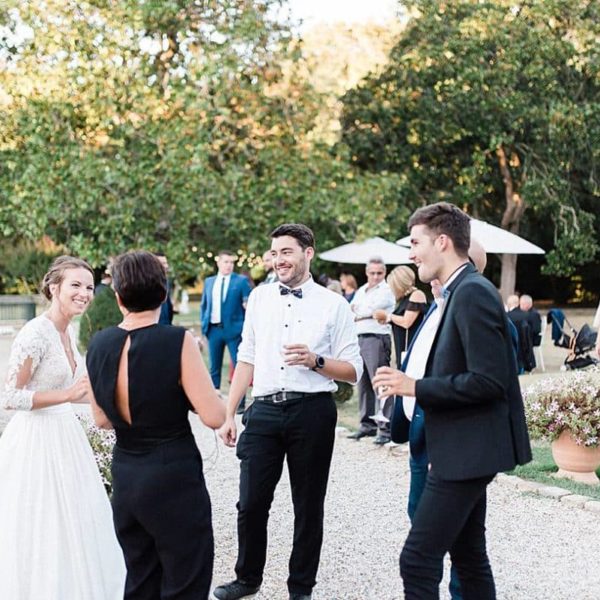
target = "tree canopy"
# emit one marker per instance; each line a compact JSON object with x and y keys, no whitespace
{"x":494,"y":106}
{"x":176,"y":125}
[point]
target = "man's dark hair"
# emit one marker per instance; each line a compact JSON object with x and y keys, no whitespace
{"x":140,"y":280}
{"x":160,"y":253}
{"x":301,"y":233}
{"x":226,"y":253}
{"x":448,"y":219}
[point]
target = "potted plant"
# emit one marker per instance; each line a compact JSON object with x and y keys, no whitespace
{"x":565,"y":410}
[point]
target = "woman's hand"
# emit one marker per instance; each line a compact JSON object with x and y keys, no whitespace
{"x":381,"y":316}
{"x":228,"y":432}
{"x":78,"y":392}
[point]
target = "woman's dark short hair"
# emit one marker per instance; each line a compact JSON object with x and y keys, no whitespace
{"x":140,"y":280}
{"x":301,"y":233}
{"x":448,"y":219}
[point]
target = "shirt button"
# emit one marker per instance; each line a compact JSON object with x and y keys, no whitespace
{"x":285,"y":325}
{"x":282,"y":368}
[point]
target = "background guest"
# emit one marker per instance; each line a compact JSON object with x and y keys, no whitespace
{"x":349,"y":285}
{"x":166,"y":308}
{"x":409,"y":312}
{"x":222,"y":312}
{"x":375,"y":344}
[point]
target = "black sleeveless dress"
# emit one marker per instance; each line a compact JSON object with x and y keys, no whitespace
{"x":161,"y":507}
{"x":403,"y":337}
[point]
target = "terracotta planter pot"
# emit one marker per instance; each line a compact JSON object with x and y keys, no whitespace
{"x":575,"y":462}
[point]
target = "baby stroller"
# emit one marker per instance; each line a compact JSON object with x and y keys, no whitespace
{"x":579,"y":343}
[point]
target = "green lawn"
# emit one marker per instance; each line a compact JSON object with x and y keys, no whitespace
{"x":542,"y":467}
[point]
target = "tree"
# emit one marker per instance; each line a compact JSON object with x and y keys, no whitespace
{"x":494,"y":106}
{"x":181,"y":126}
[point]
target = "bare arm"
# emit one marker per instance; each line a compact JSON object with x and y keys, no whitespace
{"x":100,"y":418}
{"x":198,"y":386}
{"x":241,"y":380}
{"x":408,"y":318}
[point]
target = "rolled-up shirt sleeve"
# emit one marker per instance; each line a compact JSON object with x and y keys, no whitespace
{"x":246,"y":350}
{"x":344,"y":340}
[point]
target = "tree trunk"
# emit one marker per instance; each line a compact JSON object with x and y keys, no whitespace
{"x":513,"y":211}
{"x":508,"y":275}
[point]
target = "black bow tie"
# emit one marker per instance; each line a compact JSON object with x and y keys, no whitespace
{"x":285,"y":291}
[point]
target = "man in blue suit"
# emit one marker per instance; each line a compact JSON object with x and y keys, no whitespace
{"x":222,"y":312}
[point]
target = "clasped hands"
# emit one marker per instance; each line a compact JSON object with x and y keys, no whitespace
{"x":394,"y":382}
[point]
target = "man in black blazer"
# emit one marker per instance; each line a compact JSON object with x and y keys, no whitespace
{"x":473,"y":411}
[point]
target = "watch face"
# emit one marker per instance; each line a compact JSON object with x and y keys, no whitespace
{"x":320,"y":362}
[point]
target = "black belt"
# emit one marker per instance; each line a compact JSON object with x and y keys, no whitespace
{"x":375,"y":335}
{"x":216,"y":324}
{"x":280,"y":397}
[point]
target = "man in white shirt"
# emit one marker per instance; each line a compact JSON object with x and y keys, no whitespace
{"x":298,"y":338}
{"x":375,"y":348}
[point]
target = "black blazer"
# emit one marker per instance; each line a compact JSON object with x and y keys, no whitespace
{"x":474,"y":417}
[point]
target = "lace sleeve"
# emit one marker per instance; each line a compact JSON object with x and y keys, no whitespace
{"x":26,"y":354}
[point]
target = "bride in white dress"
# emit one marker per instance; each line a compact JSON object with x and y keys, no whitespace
{"x":57,"y":539}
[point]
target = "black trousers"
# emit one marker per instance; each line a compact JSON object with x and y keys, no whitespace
{"x":302,"y":431}
{"x":162,"y":517}
{"x":450,"y":517}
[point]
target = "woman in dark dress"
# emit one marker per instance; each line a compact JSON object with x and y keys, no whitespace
{"x":409,"y":312}
{"x":146,"y":378}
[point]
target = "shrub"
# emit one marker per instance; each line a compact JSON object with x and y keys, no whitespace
{"x":343,"y":393}
{"x":102,"y":442}
{"x":102,"y":312}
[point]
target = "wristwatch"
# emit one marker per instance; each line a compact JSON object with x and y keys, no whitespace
{"x":319,"y":362}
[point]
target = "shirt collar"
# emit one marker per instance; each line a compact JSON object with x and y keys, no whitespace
{"x":457,"y":272}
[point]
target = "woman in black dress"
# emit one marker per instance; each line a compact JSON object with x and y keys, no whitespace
{"x":409,"y":312}
{"x":146,"y":378}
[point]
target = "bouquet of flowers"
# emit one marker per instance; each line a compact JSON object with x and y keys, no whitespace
{"x":569,"y":402}
{"x":102,"y":442}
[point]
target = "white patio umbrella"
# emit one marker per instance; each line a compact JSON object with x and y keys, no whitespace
{"x":494,"y":240}
{"x":361,"y":252}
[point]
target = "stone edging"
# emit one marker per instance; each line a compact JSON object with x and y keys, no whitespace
{"x":549,"y":491}
{"x":522,"y":485}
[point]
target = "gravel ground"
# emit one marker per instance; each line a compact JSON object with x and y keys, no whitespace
{"x":539,"y":549}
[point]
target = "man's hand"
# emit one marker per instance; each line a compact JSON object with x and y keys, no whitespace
{"x":228,"y":432}
{"x":295,"y":355}
{"x":395,"y":382}
{"x":380,"y":316}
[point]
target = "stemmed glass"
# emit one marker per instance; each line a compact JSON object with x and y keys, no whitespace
{"x":382,"y":395}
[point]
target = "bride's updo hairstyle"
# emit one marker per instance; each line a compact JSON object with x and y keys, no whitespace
{"x":56,"y":272}
{"x":140,"y":280}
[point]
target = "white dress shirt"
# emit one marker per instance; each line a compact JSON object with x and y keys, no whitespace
{"x":421,"y":348}
{"x":215,"y":315}
{"x":366,"y":301}
{"x":321,"y":319}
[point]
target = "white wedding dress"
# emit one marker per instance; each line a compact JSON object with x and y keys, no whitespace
{"x":57,"y":540}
